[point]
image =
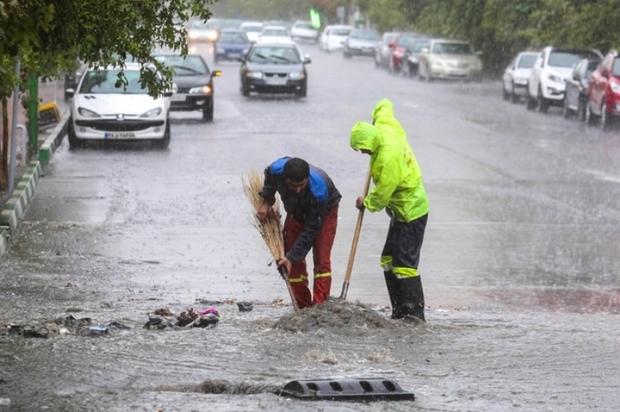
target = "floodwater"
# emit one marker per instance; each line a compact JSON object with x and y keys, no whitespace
{"x":519,"y":262}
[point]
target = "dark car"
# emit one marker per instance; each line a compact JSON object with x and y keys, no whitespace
{"x":193,"y":82}
{"x":231,"y":45}
{"x":576,"y":94}
{"x":604,"y":91}
{"x":274,"y":68}
{"x":409,"y":65}
{"x":361,"y":42}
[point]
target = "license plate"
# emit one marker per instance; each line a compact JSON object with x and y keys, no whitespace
{"x":119,"y":135}
{"x":178,"y":97}
{"x":276,"y":81}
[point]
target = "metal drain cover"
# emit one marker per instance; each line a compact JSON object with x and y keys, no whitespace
{"x":365,"y":389}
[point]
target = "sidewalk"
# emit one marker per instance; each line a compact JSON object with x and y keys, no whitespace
{"x":48,"y":92}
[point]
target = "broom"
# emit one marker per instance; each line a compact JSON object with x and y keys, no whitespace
{"x":271,"y":229}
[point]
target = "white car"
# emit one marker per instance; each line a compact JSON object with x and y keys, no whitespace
{"x":516,"y":75}
{"x":304,"y":31}
{"x":100,"y":111}
{"x":252,"y":29}
{"x":547,"y":82}
{"x":274,"y":34}
{"x":333,"y":37}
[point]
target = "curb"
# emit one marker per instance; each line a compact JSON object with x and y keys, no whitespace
{"x":21,"y":198}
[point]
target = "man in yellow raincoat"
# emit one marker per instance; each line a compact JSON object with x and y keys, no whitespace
{"x":398,"y":188}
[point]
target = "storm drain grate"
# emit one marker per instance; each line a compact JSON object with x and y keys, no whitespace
{"x":371,"y":389}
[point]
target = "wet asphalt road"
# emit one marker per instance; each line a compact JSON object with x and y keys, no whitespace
{"x":519,"y":262}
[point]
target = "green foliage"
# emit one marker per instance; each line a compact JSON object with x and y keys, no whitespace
{"x":51,"y":35}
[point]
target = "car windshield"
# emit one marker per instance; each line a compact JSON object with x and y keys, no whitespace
{"x":275,"y":33}
{"x":364,"y":35}
{"x":307,"y":26}
{"x":188,"y":66}
{"x":527,"y":61}
{"x":252,"y":28}
{"x":274,"y":55}
{"x":104,"y":82}
{"x":405,"y":41}
{"x":339,"y":32}
{"x":452,"y":48}
{"x":565,"y":58}
{"x":233,"y":37}
{"x":419,"y":45}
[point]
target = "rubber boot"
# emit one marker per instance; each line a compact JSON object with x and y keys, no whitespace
{"x":412,"y":298}
{"x":392,"y":286}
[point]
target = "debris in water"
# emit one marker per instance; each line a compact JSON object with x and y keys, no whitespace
{"x":337,"y":315}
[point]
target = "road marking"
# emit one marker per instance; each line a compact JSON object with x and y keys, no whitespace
{"x":599,"y":174}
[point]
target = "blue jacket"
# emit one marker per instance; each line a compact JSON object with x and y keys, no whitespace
{"x":310,"y":206}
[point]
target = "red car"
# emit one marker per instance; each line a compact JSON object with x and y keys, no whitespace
{"x":399,"y":48}
{"x":604,"y":91}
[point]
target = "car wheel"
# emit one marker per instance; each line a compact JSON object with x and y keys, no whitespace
{"x":245,"y":89}
{"x":530,"y":103}
{"x":542,"y":104}
{"x":207,"y":113}
{"x":165,"y":141}
{"x":589,"y":116}
{"x":505,"y":94}
{"x":74,"y":142}
{"x":581,"y":110}
{"x":303,"y":92}
{"x":513,"y":95}
{"x":604,"y":116}
{"x":566,"y":110}
{"x":346,"y":55}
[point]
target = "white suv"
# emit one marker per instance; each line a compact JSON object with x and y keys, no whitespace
{"x":547,"y":82}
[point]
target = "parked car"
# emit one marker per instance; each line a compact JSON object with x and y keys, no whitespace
{"x":547,"y":82}
{"x":274,"y":68}
{"x":101,"y":111}
{"x":231,"y":45}
{"x":384,"y":49}
{"x":304,"y":31}
{"x":409,"y":67}
{"x":398,"y":51}
{"x":274,"y":34}
{"x":199,"y":31}
{"x":449,"y":59}
{"x":193,"y":82}
{"x":361,"y":42}
{"x":604,"y":91}
{"x":333,"y":37}
{"x":576,"y":93}
{"x":252,"y":29}
{"x":514,"y":79}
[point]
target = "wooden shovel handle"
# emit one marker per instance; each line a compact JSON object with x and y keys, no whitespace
{"x":358,"y":229}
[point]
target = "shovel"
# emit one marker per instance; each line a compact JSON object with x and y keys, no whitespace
{"x":356,"y":236}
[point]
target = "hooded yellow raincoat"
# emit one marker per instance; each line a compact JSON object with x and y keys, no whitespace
{"x":395,"y":170}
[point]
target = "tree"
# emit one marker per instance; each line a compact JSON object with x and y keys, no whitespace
{"x":49,"y":36}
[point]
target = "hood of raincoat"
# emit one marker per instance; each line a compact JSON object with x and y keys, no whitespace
{"x":365,"y":136}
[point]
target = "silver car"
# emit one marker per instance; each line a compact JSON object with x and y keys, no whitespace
{"x":361,"y":42}
{"x":514,"y":80}
{"x":449,"y":59}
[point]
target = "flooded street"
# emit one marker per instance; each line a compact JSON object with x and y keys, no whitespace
{"x":519,"y":263}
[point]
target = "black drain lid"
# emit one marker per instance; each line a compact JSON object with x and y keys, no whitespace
{"x":364,"y":389}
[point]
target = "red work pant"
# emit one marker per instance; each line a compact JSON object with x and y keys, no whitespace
{"x":321,"y":252}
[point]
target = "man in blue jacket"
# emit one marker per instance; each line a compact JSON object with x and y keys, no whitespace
{"x":311,"y":201}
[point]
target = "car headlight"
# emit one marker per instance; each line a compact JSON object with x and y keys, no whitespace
{"x":255,"y":75}
{"x":206,"y":89}
{"x":87,"y":113}
{"x":615,"y":87}
{"x":152,"y":113}
{"x":437,"y":64}
{"x":556,"y":79}
{"x":297,"y":76}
